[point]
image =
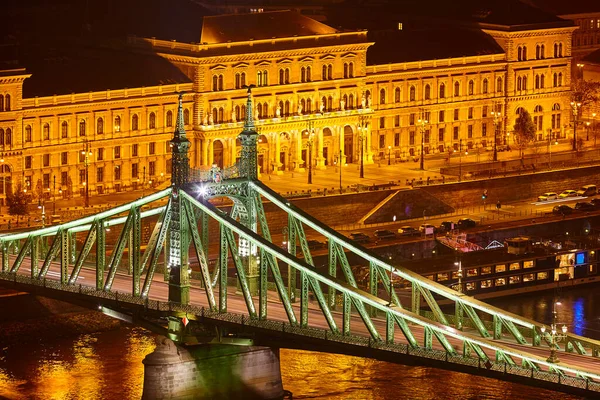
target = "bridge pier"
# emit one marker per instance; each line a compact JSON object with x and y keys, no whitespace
{"x":211,"y":371}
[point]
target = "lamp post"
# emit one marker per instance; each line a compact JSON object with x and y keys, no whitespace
{"x":391,"y":284}
{"x":310,"y":131}
{"x":54,"y":197}
{"x":580,"y":66}
{"x":389,"y":155}
{"x":575,"y":106}
{"x":594,"y":127}
{"x":87,"y":153}
{"x":362,"y":134}
{"x":497,"y":115}
{"x":555,"y":336}
{"x":459,"y":274}
{"x":587,"y":130}
{"x":422,"y":122}
{"x":42,"y":206}
{"x":340,"y":166}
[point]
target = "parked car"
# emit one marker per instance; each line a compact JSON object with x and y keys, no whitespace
{"x":427,"y":228}
{"x":562,"y":209}
{"x":360,"y":237}
{"x":587,"y":190}
{"x":548,"y":196}
{"x":408,"y":231}
{"x":447,"y":226}
{"x":584,"y":206}
{"x":595,"y":203}
{"x":384,"y":234}
{"x":567,"y":193}
{"x":465,"y":223}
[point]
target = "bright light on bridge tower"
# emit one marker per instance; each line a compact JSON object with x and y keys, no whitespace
{"x":178,"y":241}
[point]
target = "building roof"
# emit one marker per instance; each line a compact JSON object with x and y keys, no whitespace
{"x":562,"y":7}
{"x":257,"y":26}
{"x":395,"y":46}
{"x":81,"y":70}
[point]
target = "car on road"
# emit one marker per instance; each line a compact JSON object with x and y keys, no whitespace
{"x":584,"y":206}
{"x":360,"y":237}
{"x":408,"y":231}
{"x":384,"y":234}
{"x":427,"y":228}
{"x":596,"y":202}
{"x":465,"y":223}
{"x":567,"y":193}
{"x":562,"y":209}
{"x":548,"y":196}
{"x":447,"y":226}
{"x":587,"y":190}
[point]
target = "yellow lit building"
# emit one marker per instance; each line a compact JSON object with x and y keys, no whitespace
{"x":316,"y":87}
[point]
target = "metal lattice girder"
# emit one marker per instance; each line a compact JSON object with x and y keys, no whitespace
{"x":34,"y":255}
{"x":115,"y":257}
{"x":390,"y":323}
{"x":100,"y":253}
{"x":65,"y":250}
{"x":433,"y":305}
{"x":385,"y":281}
{"x":468,"y":346}
{"x":21,"y":256}
{"x":201,"y":256}
{"x":373,"y":280}
{"x":428,"y":338}
{"x":382,"y":305}
{"x":497,"y":327}
{"x":346,"y":313}
{"x":346,"y":269}
{"x":262,"y":287}
{"x":332,"y":262}
{"x":303,"y":243}
{"x":530,"y":365}
{"x":303,"y":300}
{"x":406,"y":330}
{"x":291,"y":248}
{"x":151,"y":246}
{"x":574,"y":345}
{"x":458,"y":315}
{"x":536,"y":336}
{"x":87,"y":246}
{"x":134,"y":251}
{"x":51,"y":255}
{"x":415,"y":298}
{"x":160,"y":241}
{"x":241,"y":273}
{"x":475,"y":319}
{"x":5,"y":250}
{"x":222,"y":269}
{"x":444,"y":342}
{"x":364,"y":315}
{"x":556,"y":370}
{"x":503,"y":356}
{"x":510,"y":326}
{"x":316,"y":287}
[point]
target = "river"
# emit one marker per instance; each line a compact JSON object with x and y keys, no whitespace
{"x":108,"y":365}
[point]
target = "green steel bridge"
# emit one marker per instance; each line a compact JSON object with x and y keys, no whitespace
{"x":219,"y":269}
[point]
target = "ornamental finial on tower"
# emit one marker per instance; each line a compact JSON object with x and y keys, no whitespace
{"x":249,"y":122}
{"x":179,"y":147}
{"x":248,"y":138}
{"x":180,"y":125}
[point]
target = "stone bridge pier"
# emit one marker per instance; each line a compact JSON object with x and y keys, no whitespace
{"x":211,"y":371}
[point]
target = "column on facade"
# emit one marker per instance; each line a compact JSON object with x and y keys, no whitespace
{"x":204,"y":146}
{"x":340,"y":149}
{"x":277,"y":153}
{"x":211,"y":153}
{"x":368,"y":152}
{"x":299,"y":162}
{"x":319,"y":156}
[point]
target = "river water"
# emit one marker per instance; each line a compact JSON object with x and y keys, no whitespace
{"x":108,"y":365}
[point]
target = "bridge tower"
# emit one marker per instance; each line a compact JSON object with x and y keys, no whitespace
{"x":178,"y":240}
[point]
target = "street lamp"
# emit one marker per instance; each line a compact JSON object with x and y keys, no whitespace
{"x":362,"y":135}
{"x":575,"y":106}
{"x":87,"y":153}
{"x":389,"y":155}
{"x":310,"y":131}
{"x":42,"y":206}
{"x":459,"y":274}
{"x":497,"y":115}
{"x":594,"y":127}
{"x":555,"y":336}
{"x":580,"y":66}
{"x":422,"y":123}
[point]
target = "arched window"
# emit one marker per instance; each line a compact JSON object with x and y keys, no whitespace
{"x":169,"y":118}
{"x":1,"y":102}
{"x":351,"y":70}
{"x":556,"y":107}
{"x":524,"y":53}
{"x":537,"y":81}
{"x":538,"y":120}
{"x":555,"y":80}
{"x":542,"y":79}
{"x":397,"y":95}
{"x":215,"y":83}
{"x":555,"y":50}
{"x":519,"y":83}
{"x":100,"y":126}
{"x":382,"y":96}
{"x":484,"y":87}
{"x":308,"y":108}
{"x":538,"y":109}
{"x":330,"y":71}
{"x":117,"y":124}
{"x":345,"y":70}
{"x":243,"y":111}
{"x":329,"y":103}
{"x":243,"y":79}
{"x":442,"y":91}
{"x":524,"y":83}
{"x":134,"y":122}
{"x":427,"y":94}
{"x":152,"y":121}
{"x":8,"y":136}
{"x":537,"y":52}
{"x":308,"y":73}
{"x":261,"y":78}
{"x":82,"y":127}
{"x":64,"y":129}
{"x":412,"y":94}
{"x":324,"y":72}
{"x":560,"y":49}
{"x":560,"y":79}
{"x":221,"y":115}
{"x":28,"y":134}
{"x":281,"y":76}
{"x":238,"y":114}
{"x":456,"y":89}
{"x":350,"y":103}
{"x":220,"y":82}
{"x":303,"y":74}
{"x":259,"y":110}
{"x":519,"y":53}
{"x":542,"y":51}
{"x":499,"y":85}
{"x":237,"y":81}
{"x":7,"y":102}
{"x":286,"y":111}
{"x":186,"y":116}
{"x":471,"y":87}
{"x":287,"y":75}
{"x":519,"y":111}
{"x":46,"y":131}
{"x":215,"y":115}
{"x":1,"y":137}
{"x":303,"y":104}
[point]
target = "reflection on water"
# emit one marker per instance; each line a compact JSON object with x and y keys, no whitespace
{"x":109,"y":365}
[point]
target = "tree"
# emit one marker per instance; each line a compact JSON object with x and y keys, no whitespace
{"x":17,"y":202}
{"x":524,"y":130}
{"x":585,"y":92}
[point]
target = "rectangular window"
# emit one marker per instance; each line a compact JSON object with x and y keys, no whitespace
{"x":117,"y":172}
{"x":500,"y":281}
{"x":64,"y":178}
{"x":134,"y":170}
{"x":100,"y":154}
{"x":514,"y":279}
{"x":117,"y":152}
{"x":455,"y":136}
{"x":470,"y":112}
{"x":27,"y":162}
{"x":486,"y":270}
{"x":411,"y":119}
{"x":411,"y":138}
{"x":81,"y":156}
{"x":426,"y":138}
{"x":470,"y":286}
{"x":100,"y":174}
{"x":542,"y":275}
{"x":64,"y":157}
{"x":381,"y":141}
{"x":528,"y":277}
{"x":514,"y":266}
{"x":484,"y":112}
{"x":134,"y":150}
{"x":442,"y":114}
{"x":472,"y":272}
{"x":500,"y":268}
{"x":456,"y":114}
{"x":152,"y":168}
{"x":441,"y":134}
{"x":528,"y":264}
{"x":396,"y":121}
{"x":486,"y":284}
{"x":484,"y":129}
{"x":470,"y":131}
{"x":82,"y":177}
{"x":46,"y":180}
{"x":396,"y":140}
{"x":381,"y":122}
{"x":442,"y":277}
{"x":152,"y":148}
{"x":46,"y":160}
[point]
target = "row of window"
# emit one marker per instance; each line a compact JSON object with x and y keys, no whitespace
{"x":540,"y":81}
{"x":262,"y":77}
{"x":5,"y":102}
{"x":82,"y":127}
{"x":540,"y":52}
